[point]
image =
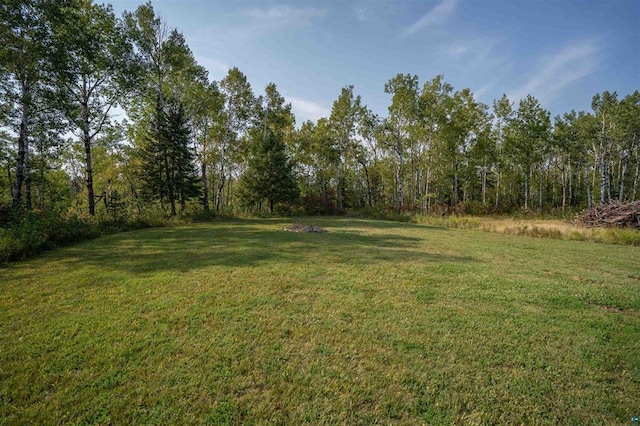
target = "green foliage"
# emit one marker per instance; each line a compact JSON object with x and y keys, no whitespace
{"x":65,"y":65}
{"x":269,"y":175}
{"x":167,"y":160}
{"x":31,"y":233}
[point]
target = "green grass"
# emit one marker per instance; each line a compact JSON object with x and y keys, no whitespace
{"x":373,"y":322}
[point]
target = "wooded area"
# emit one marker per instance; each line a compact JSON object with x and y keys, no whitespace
{"x":192,"y":145}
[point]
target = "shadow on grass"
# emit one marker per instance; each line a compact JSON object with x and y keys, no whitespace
{"x":247,"y":243}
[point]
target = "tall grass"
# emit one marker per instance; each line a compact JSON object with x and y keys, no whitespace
{"x":547,"y":228}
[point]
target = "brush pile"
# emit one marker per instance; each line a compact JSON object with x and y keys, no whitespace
{"x":303,"y":228}
{"x":613,"y":214}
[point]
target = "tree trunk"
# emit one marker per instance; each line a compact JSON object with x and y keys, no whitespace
{"x":86,"y":139}
{"x":338,"y":190}
{"x":602,"y":161}
{"x":369,"y":188}
{"x":205,"y":187}
{"x":625,"y":166}
{"x":399,"y":169}
{"x":526,"y":191}
{"x":622,"y":177}
{"x":563,"y":181}
{"x":587,"y":187}
{"x":455,"y":185}
{"x":607,"y":181}
{"x":540,"y":190}
{"x":220,"y":187}
{"x":635,"y":181}
{"x":23,"y":144}
{"x":570,"y":174}
{"x":498,"y":189}
{"x":170,"y":185}
{"x":415,"y":174}
{"x":484,"y":184}
{"x":9,"y":179}
{"x":223,"y":178}
{"x":427,"y":185}
{"x":27,"y":180}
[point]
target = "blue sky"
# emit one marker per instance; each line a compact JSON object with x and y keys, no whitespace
{"x":560,"y":51}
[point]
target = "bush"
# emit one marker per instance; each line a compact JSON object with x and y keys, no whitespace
{"x":26,"y":234}
{"x":318,"y":205}
{"x":30,"y":233}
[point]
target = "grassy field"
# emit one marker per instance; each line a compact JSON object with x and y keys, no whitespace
{"x":239,"y":322}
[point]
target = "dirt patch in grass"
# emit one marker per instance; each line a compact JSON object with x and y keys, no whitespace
{"x":298,"y":227}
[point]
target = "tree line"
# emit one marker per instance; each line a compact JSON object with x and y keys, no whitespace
{"x":192,"y":144}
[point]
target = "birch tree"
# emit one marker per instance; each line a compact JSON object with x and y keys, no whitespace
{"x":96,"y":71}
{"x":25,"y":31}
{"x":400,"y":123}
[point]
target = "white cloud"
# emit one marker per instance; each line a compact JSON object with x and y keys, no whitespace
{"x":307,"y":110}
{"x":361,"y":13}
{"x":285,"y":14}
{"x":438,"y":14}
{"x":217,"y":69}
{"x":556,"y":71}
{"x":458,"y":50}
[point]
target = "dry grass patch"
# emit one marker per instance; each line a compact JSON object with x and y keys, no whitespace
{"x":555,"y":229}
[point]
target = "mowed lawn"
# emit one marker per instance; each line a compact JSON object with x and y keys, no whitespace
{"x":238,"y":322}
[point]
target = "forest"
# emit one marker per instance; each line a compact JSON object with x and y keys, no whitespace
{"x":193,"y":146}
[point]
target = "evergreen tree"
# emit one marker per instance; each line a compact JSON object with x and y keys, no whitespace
{"x":270,"y":174}
{"x":167,"y":161}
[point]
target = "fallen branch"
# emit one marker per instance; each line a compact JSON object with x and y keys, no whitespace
{"x":613,"y":214}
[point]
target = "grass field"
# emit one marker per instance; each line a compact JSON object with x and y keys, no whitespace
{"x":238,"y":322}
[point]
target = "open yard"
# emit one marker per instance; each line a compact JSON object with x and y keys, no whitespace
{"x":238,"y":322}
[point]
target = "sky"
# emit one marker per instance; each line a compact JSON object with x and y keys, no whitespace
{"x":560,"y":51}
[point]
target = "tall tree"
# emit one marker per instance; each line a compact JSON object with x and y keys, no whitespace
{"x":465,"y":125}
{"x":316,"y":157}
{"x":565,"y":142}
{"x":366,"y":155}
{"x":503,"y":114}
{"x":604,"y":107}
{"x":343,"y":121}
{"x":269,"y":175}
{"x":528,"y":134}
{"x":149,"y":33}
{"x":239,"y":105}
{"x":629,"y":124}
{"x":433,"y":101}
{"x":25,"y":31}
{"x":96,"y":70}
{"x":205,"y":106}
{"x":167,"y":166}
{"x":400,"y":123}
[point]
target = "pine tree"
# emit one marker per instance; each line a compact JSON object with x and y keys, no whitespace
{"x":270,"y":174}
{"x":167,"y":161}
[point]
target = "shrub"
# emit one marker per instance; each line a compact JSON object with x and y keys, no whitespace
{"x":29,"y":233}
{"x":26,"y":234}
